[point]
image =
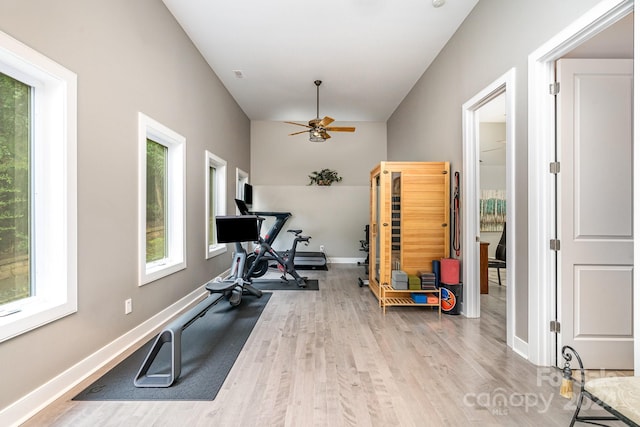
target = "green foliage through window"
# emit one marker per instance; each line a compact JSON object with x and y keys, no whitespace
{"x":15,"y":200}
{"x":157,"y":155}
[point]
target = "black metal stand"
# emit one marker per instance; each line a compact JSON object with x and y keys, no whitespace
{"x":364,"y":246}
{"x":568,"y":353}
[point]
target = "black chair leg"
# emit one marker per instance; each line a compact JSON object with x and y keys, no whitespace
{"x":499,"y":280}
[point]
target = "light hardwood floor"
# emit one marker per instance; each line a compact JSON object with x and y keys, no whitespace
{"x":331,"y":358}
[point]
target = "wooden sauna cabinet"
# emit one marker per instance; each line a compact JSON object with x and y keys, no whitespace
{"x":409,"y":225}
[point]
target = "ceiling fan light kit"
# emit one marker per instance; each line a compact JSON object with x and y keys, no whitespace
{"x":316,"y":136}
{"x":317,"y":127}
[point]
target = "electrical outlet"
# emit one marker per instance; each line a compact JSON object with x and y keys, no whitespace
{"x":128,"y":306}
{"x":321,"y":248}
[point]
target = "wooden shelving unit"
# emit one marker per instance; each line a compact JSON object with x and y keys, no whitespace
{"x":395,"y":297}
{"x":409,"y":226}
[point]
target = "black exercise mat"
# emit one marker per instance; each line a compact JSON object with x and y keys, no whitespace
{"x":210,"y":347}
{"x":279,"y":285}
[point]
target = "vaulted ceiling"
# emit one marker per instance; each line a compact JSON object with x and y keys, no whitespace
{"x":368,"y":53}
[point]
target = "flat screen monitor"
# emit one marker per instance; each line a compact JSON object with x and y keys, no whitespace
{"x":233,"y":229}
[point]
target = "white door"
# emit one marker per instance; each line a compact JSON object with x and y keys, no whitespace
{"x":595,"y":260}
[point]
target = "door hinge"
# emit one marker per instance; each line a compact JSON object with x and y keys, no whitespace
{"x":554,"y":168}
{"x":554,"y":88}
{"x":554,"y":245}
{"x":554,"y":326}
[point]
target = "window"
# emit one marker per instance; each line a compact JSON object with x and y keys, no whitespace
{"x":215,"y":197}
{"x":156,"y":226}
{"x":242,"y":178}
{"x":38,"y":230}
{"x":15,"y":194}
{"x":162,"y":200}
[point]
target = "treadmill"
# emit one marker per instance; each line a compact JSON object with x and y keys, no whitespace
{"x":304,"y":260}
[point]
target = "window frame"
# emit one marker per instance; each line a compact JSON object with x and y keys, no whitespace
{"x":53,"y":170}
{"x":176,"y":259}
{"x":242,"y":178}
{"x":220,"y":165}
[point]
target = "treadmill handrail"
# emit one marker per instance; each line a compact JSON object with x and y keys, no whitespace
{"x":276,"y":214}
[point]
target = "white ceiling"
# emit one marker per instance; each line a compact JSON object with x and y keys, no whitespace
{"x":368,"y":53}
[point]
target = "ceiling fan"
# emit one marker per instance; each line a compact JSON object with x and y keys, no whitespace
{"x":318,"y":128}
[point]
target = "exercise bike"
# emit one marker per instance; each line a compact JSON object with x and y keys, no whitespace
{"x":258,"y":260}
{"x":236,"y":229}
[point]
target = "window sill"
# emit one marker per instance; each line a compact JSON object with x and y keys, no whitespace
{"x":31,"y":314}
{"x":154,"y":272}
{"x":215,"y":250}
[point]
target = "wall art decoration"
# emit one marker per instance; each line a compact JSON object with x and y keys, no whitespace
{"x":493,"y":210}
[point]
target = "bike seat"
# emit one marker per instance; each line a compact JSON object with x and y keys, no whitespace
{"x":296,"y":232}
{"x":217,"y":287}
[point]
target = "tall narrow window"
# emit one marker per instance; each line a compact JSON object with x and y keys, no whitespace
{"x":215,"y":196}
{"x":242,"y":179}
{"x":213,"y":239}
{"x":15,"y":194}
{"x":162,"y":200}
{"x":38,"y":200}
{"x":157,"y":226}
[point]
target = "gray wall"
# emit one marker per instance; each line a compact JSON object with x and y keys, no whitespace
{"x":496,"y":36}
{"x":129,"y":56}
{"x":333,"y":216}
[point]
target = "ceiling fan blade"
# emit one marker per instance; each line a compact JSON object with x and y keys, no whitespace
{"x":298,"y":133}
{"x":341,"y":129}
{"x":326,"y":121}
{"x":325,"y":135}
{"x":298,"y":124}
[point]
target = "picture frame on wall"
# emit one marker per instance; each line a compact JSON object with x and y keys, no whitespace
{"x":493,"y":210}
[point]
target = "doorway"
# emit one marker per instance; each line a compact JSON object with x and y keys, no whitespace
{"x":492,"y":140}
{"x":504,"y":86}
{"x":543,"y":299}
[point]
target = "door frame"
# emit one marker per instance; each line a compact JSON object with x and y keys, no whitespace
{"x":470,"y":197}
{"x":542,"y":208}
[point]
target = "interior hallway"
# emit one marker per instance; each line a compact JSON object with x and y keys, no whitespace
{"x":332,"y":358}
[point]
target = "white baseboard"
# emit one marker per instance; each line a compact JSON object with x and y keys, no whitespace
{"x":521,"y":347}
{"x":30,"y":404}
{"x":332,"y":260}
